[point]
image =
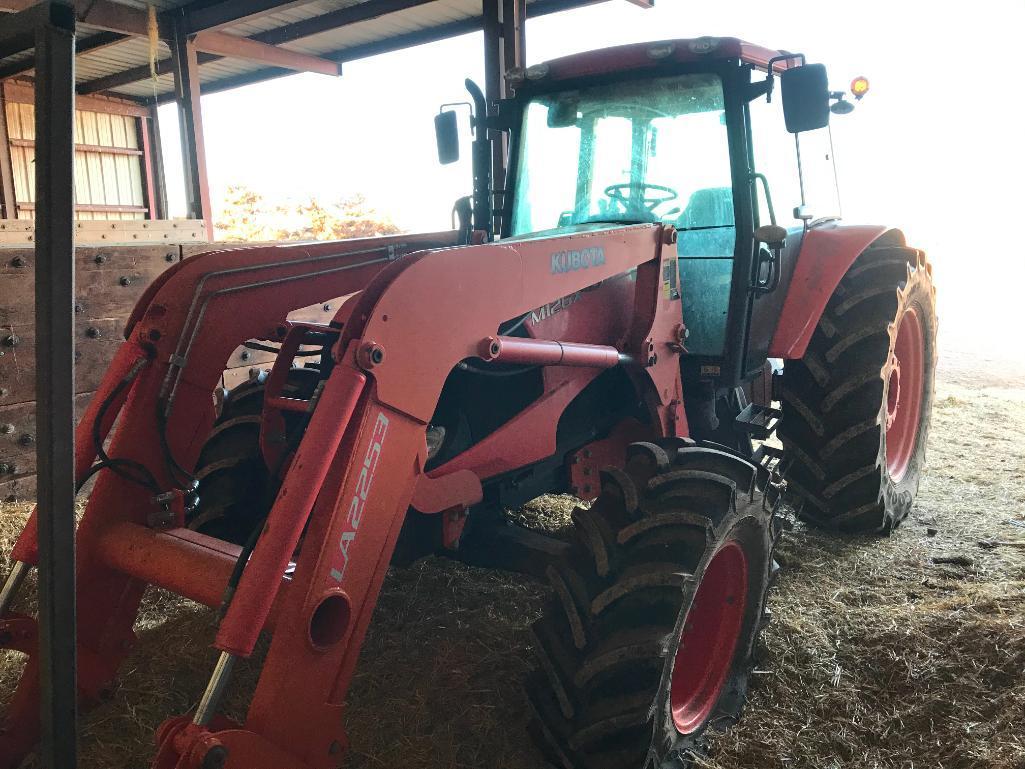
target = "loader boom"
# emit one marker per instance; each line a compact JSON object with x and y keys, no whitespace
{"x":407,"y":324}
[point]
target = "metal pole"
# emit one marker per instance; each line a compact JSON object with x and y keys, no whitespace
{"x":156,"y":165}
{"x":55,"y":351}
{"x":12,"y":585}
{"x":211,"y":700}
{"x":494,"y":90}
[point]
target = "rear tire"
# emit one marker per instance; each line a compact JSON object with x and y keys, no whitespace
{"x":856,"y":416}
{"x":649,"y":639}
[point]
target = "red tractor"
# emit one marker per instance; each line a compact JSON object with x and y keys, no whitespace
{"x":631,"y":325}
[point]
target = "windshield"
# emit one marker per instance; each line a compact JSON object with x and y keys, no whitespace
{"x":636,"y":151}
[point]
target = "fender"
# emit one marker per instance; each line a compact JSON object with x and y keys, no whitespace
{"x":827,"y":252}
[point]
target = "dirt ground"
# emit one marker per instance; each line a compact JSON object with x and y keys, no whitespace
{"x":903,"y":652}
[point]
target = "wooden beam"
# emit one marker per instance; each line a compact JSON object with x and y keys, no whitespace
{"x":117,"y":105}
{"x":95,"y":208}
{"x":8,"y":203}
{"x":85,"y":147}
{"x":105,"y":14}
{"x":187,"y":94}
{"x":235,"y":47}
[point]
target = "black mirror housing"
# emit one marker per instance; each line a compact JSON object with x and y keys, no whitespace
{"x":446,"y":131}
{"x":805,"y":97}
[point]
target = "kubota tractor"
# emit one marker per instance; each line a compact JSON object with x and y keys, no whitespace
{"x":630,"y":325}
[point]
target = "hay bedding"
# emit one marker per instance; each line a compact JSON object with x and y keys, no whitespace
{"x":901,"y":653}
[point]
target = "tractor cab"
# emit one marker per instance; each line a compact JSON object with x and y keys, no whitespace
{"x":683,"y":133}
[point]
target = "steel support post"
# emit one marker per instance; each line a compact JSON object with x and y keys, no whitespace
{"x":156,"y":183}
{"x":190,"y":119}
{"x":55,"y":382}
{"x":504,"y":46}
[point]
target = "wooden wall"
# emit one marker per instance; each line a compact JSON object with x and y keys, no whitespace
{"x":109,"y":281}
{"x":113,"y":163}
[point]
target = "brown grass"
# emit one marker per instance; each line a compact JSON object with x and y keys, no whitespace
{"x":878,"y":656}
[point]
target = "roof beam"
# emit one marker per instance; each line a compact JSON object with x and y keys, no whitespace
{"x":213,"y":14}
{"x":389,"y":45}
{"x":245,"y":48}
{"x":86,"y":44}
{"x":134,"y":75}
{"x":342,"y":17}
{"x":296,"y":31}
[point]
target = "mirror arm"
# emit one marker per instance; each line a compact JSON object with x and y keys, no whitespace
{"x":761,"y":88}
{"x":784,"y":56}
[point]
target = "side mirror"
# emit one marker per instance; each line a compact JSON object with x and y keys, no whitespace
{"x":446,"y":131}
{"x":805,"y":97}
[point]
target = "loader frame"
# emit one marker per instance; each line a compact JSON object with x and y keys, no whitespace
{"x":346,"y":491}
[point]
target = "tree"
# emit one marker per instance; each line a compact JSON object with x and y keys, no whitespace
{"x":247,"y":216}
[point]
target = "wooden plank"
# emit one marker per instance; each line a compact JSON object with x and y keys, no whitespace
{"x":80,"y":147}
{"x":108,"y":281}
{"x":96,"y":342}
{"x":18,"y":433}
{"x":7,"y":196}
{"x":98,"y":208}
{"x":94,"y":162}
{"x":15,"y":233}
{"x":22,"y":126}
{"x":18,"y":488}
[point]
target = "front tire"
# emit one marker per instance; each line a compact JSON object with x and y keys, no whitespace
{"x":649,"y":640}
{"x":236,"y":488}
{"x":856,"y":407}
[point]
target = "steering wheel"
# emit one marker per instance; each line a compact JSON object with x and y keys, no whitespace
{"x":618,"y":193}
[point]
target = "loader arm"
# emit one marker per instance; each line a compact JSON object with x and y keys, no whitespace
{"x":351,"y":480}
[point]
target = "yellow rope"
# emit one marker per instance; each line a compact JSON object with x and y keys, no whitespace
{"x":154,"y":41}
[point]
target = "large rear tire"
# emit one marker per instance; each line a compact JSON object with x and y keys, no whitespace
{"x":856,"y":407}
{"x":649,"y":639}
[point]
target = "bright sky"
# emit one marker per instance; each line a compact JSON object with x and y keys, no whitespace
{"x":935,"y":148}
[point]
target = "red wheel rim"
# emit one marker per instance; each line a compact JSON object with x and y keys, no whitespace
{"x":709,"y":639}
{"x":904,"y":394}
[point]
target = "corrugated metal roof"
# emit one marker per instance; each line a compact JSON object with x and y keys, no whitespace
{"x":133,"y":53}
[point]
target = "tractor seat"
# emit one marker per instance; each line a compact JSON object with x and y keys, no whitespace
{"x":708,"y":207}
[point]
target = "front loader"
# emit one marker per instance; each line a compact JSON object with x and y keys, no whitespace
{"x":631,"y":325}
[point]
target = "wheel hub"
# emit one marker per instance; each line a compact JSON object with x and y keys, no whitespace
{"x":709,"y":640}
{"x":904,"y":389}
{"x":892,"y":392}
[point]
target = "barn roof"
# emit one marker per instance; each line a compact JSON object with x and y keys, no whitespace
{"x":247,"y":41}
